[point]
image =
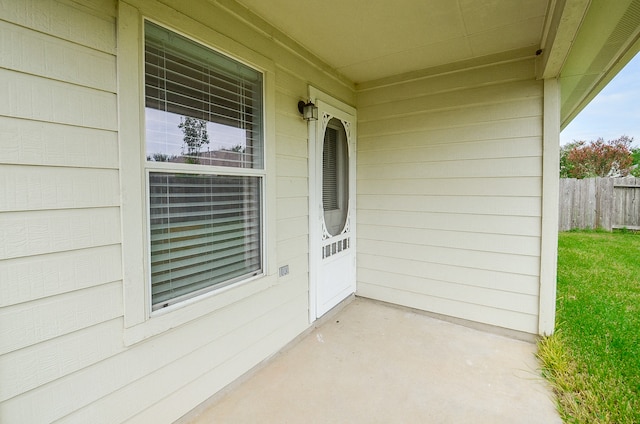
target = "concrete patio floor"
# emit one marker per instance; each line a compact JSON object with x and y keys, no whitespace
{"x":376,"y":363}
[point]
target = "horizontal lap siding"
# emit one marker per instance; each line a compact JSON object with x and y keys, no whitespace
{"x":46,"y":143}
{"x":46,"y":362}
{"x":28,"y":188}
{"x":154,"y":374}
{"x":449,"y":189}
{"x":49,"y":274}
{"x":292,"y":182}
{"x":267,"y":324}
{"x":61,"y":300}
{"x":62,"y":350}
{"x":33,"y":322}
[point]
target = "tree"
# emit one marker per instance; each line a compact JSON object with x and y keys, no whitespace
{"x":598,"y":158}
{"x":565,"y":165}
{"x":160,"y":157}
{"x":195,"y":136}
{"x":635,"y":153}
{"x":237,"y":148}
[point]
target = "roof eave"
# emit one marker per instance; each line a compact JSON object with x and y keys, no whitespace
{"x":586,"y":43}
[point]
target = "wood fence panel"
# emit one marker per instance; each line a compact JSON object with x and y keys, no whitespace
{"x":604,"y":199}
{"x":564,"y":218}
{"x":605,"y":203}
{"x":626,"y":204}
{"x":590,"y":200}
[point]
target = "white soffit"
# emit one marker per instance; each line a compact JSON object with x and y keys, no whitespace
{"x":367,"y":39}
{"x":608,"y":38}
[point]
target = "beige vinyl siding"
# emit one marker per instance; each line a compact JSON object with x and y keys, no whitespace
{"x":29,"y":188}
{"x":60,"y":259}
{"x":64,"y":354}
{"x":173,"y":372}
{"x":449,"y":193}
{"x":27,"y":142}
{"x":292,"y":181}
{"x":49,"y":162}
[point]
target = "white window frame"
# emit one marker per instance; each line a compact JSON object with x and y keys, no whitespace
{"x":139,"y":321}
{"x":221,"y":171}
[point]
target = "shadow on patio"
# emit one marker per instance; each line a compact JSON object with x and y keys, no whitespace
{"x":376,"y":363}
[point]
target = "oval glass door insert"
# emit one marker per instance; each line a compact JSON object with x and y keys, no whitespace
{"x":335,"y":177}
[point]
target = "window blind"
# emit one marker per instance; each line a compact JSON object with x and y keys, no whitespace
{"x":187,"y":80}
{"x":205,"y":231}
{"x":330,"y":170}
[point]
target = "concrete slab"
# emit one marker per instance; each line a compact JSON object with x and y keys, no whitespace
{"x":375,"y":363}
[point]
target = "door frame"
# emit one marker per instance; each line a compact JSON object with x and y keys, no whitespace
{"x":315,"y":206}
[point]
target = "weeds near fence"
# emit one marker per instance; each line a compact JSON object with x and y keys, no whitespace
{"x":593,"y":359}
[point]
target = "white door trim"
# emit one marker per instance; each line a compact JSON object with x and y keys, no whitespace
{"x":315,"y":211}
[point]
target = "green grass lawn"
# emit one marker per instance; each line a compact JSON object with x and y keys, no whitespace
{"x":593,"y":359}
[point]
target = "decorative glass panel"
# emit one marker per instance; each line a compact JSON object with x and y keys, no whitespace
{"x":335,"y":177}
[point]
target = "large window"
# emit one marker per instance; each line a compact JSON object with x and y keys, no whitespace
{"x":205,"y":167}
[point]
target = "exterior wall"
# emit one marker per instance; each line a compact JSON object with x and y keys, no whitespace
{"x":449,"y":193}
{"x":63,"y":350}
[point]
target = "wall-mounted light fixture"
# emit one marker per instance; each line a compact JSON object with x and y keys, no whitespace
{"x":308,"y":110}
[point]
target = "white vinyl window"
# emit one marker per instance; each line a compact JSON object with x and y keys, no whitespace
{"x":204,"y":166}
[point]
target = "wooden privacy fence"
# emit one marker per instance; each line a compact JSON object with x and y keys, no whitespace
{"x":605,"y":203}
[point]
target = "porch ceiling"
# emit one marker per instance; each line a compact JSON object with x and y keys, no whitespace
{"x":585,"y":43}
{"x":367,"y":40}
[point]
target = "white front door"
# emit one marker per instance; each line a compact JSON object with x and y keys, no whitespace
{"x":332,"y":211}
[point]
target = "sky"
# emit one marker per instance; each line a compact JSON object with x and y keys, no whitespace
{"x":614,"y":112}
